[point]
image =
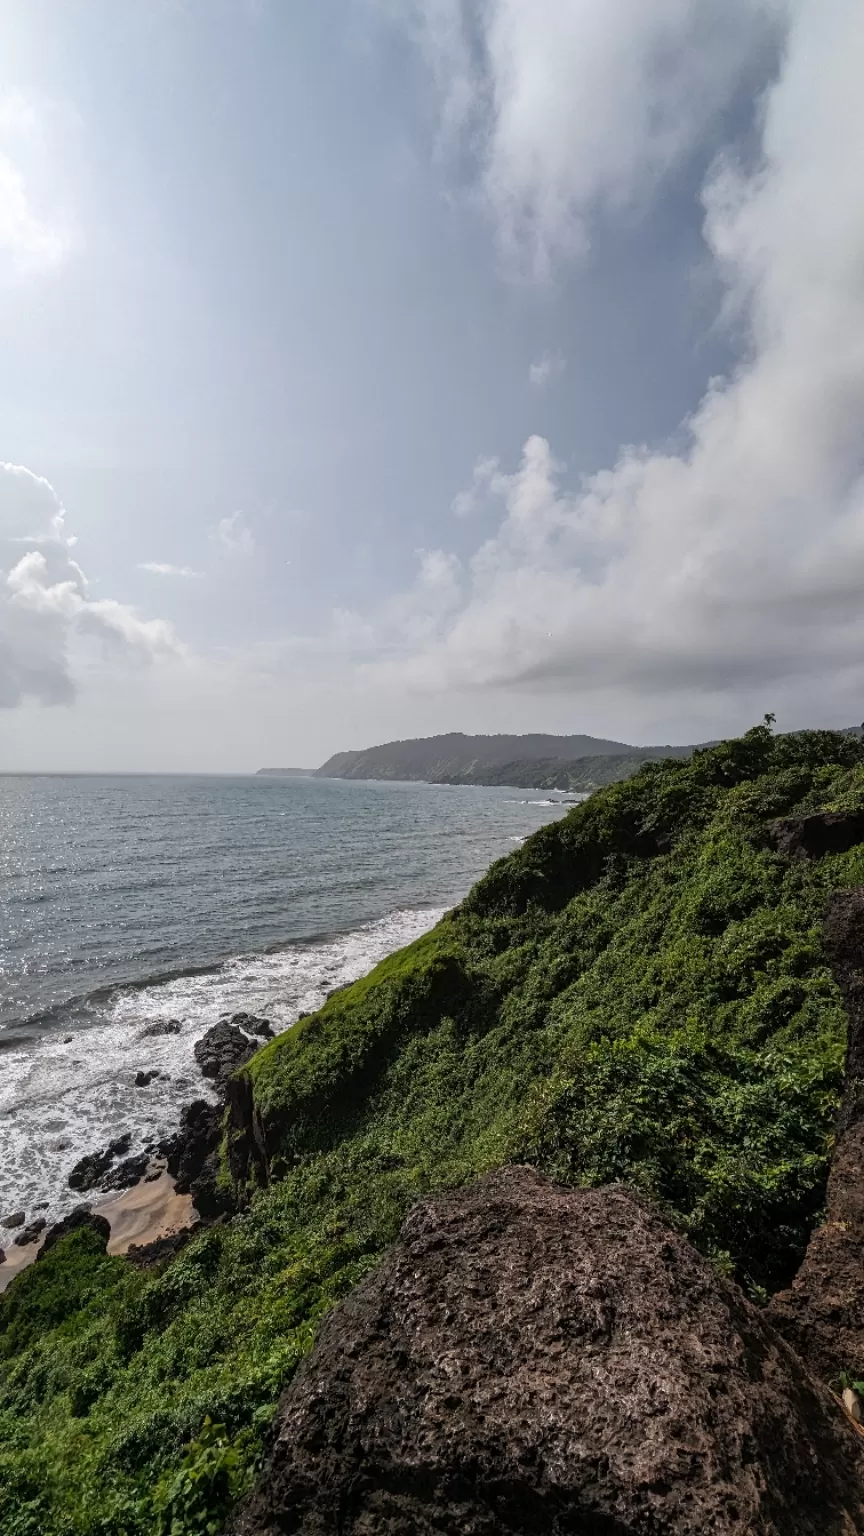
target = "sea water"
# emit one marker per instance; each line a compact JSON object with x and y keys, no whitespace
{"x":129,"y":902}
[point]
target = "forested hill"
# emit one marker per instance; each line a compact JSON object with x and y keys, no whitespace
{"x":538,"y":761}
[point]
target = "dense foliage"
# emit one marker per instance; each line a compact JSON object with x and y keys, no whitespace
{"x":638,"y":993}
{"x":579,"y":774}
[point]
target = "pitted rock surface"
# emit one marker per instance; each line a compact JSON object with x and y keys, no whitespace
{"x":534,"y":1360}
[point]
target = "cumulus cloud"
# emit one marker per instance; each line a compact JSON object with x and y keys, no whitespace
{"x":468,"y":501}
{"x":32,"y":241}
{"x":737,"y":563}
{"x":570,"y":107}
{"x":547,"y":367}
{"x":45,"y":604}
{"x":163,"y":568}
{"x":233,"y":533}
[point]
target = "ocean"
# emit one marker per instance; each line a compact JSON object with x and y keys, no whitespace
{"x":126,"y":902}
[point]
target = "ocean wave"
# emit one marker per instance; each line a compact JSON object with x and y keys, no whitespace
{"x":62,"y":1096}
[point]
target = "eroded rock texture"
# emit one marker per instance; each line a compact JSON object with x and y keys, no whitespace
{"x":822,"y":1314}
{"x":534,"y":1359}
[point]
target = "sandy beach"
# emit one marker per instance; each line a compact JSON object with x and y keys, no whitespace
{"x":138,"y":1215}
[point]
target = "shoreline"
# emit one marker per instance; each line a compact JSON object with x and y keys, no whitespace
{"x":149,"y":1210}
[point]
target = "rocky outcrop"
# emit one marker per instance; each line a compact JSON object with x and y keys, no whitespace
{"x":90,"y":1171}
{"x":222,"y":1050}
{"x":253,"y":1025}
{"x":812,"y":837}
{"x":127,"y":1173}
{"x":82,"y":1216}
{"x":822,"y":1313}
{"x":31,"y":1233}
{"x":534,"y":1359}
{"x":193,"y":1157}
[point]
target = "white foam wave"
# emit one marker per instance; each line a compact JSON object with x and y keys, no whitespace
{"x":64,"y":1096}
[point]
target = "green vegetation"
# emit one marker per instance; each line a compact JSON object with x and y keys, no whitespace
{"x":638,"y":993}
{"x":525,"y":762}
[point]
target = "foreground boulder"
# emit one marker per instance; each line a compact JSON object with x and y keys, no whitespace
{"x":534,"y":1359}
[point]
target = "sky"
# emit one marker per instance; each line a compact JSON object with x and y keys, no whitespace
{"x":376,"y":368}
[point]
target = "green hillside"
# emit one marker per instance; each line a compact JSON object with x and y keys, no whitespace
{"x":638,"y":993}
{"x":529,"y":761}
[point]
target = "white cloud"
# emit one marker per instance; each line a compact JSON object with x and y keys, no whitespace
{"x":233,"y":533}
{"x":567,"y":107}
{"x":45,"y":606}
{"x":549,"y":366}
{"x":468,"y":501}
{"x":32,"y":241}
{"x":735,"y":565}
{"x":160,"y":568}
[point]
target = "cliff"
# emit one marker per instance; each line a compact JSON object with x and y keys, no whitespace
{"x":640,"y":995}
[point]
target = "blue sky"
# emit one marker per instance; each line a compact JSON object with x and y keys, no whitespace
{"x":475,"y":364}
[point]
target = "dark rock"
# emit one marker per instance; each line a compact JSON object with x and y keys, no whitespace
{"x":253,"y":1025}
{"x":822,"y":1313}
{"x":193,"y":1157}
{"x":82,"y":1216}
{"x":17,"y":1219}
{"x":31,"y":1233}
{"x":90,"y":1171}
{"x":127,"y":1173}
{"x":811,"y":837}
{"x":144,"y":1079}
{"x":222,"y":1050}
{"x":334,"y":991}
{"x":160,"y":1027}
{"x":247,"y":1148}
{"x":530,"y":1360}
{"x":2,"y":1256}
{"x":67,"y":1039}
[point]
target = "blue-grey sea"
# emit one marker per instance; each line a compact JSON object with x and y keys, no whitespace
{"x":127,"y":901}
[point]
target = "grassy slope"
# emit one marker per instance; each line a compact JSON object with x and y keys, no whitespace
{"x":639,"y":992}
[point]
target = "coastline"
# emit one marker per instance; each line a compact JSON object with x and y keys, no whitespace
{"x":149,"y":1210}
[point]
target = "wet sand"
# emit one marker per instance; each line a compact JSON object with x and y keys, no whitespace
{"x":145,"y":1212}
{"x":137,"y":1215}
